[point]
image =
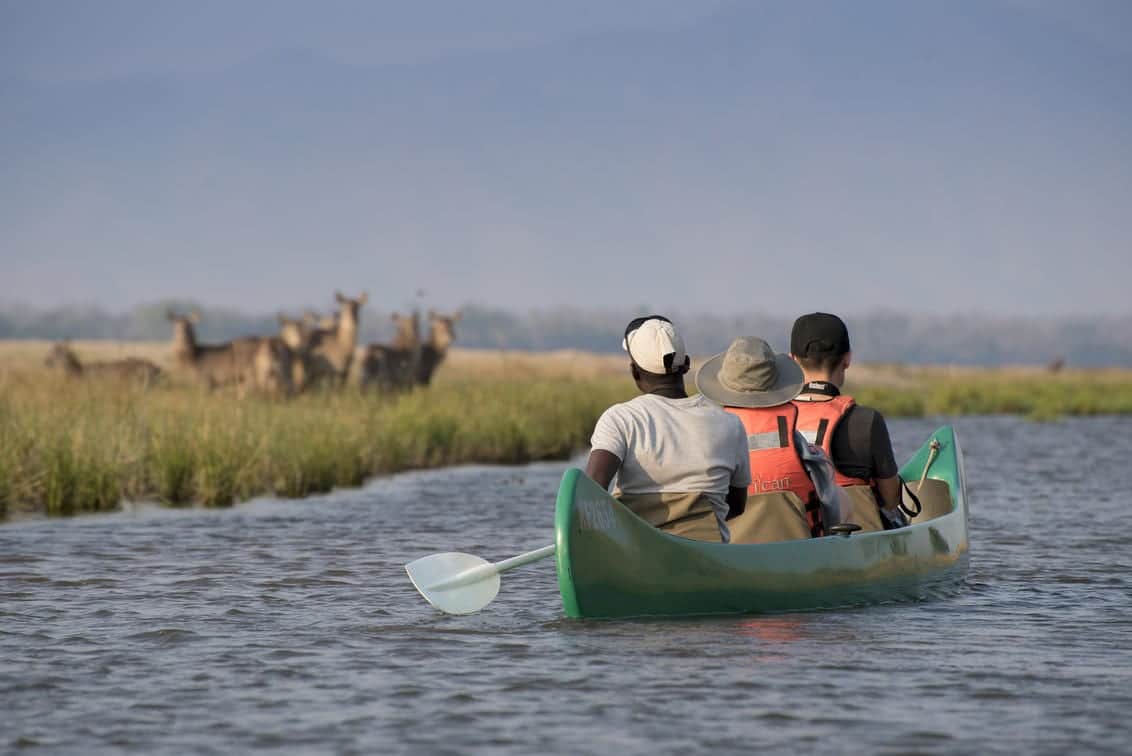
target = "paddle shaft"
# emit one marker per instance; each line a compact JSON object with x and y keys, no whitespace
{"x":468,"y":577}
{"x":519,"y":561}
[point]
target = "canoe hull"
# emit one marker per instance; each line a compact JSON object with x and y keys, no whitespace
{"x":613,"y":564}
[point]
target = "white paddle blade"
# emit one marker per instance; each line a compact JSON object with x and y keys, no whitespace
{"x":435,"y":577}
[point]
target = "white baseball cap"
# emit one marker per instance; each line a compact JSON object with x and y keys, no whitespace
{"x":654,"y":345}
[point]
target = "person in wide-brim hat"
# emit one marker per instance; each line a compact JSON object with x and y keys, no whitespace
{"x":750,"y":374}
{"x":793,"y":483}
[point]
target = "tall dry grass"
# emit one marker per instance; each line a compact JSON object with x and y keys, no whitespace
{"x":1033,"y":393}
{"x":74,"y":446}
{"x":69,"y":447}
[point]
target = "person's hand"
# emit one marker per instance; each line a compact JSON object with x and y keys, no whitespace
{"x":894,"y":518}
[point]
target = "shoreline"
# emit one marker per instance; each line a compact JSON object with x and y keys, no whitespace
{"x":73,"y":446}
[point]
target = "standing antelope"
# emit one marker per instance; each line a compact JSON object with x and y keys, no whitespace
{"x":442,"y":333}
{"x":393,"y":367}
{"x":298,"y":336}
{"x":325,"y":322}
{"x":332,"y":350}
{"x":132,"y":369}
{"x":262,"y":363}
{"x":408,"y":330}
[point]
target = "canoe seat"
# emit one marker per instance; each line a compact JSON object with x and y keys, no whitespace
{"x":934,"y":495}
{"x":770,"y":517}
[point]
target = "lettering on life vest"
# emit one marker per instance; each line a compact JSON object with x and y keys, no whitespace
{"x":769,"y":486}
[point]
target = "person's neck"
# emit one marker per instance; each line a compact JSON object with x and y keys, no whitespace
{"x":674,"y":390}
{"x":814,"y":377}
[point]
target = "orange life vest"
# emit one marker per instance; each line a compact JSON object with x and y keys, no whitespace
{"x":817,"y":420}
{"x":776,"y":462}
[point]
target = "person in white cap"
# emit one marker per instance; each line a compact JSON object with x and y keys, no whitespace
{"x":681,"y":462}
{"x":793,"y":494}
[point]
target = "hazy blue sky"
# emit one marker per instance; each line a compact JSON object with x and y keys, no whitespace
{"x":948,"y":156}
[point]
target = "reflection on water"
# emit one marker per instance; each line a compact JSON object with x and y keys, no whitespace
{"x":773,"y":639}
{"x":292,"y":624}
{"x":773,"y":629}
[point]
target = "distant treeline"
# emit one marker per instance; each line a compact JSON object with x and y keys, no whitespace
{"x":969,"y":339}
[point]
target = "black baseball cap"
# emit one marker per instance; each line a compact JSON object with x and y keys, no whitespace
{"x":819,"y":334}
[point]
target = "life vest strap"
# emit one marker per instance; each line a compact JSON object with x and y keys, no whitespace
{"x":818,"y":421}
{"x":822,"y":427}
{"x":762,"y":441}
{"x":779,"y":439}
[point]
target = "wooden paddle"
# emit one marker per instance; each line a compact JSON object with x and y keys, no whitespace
{"x":462,"y":583}
{"x":933,"y":451}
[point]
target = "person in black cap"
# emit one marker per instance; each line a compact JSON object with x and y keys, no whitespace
{"x":855,"y":437}
{"x":681,"y":462}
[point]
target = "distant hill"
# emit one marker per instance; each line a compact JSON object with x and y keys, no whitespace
{"x":969,"y":339}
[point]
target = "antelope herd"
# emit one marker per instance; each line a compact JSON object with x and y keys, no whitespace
{"x":309,"y":353}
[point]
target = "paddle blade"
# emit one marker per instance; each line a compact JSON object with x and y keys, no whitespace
{"x":453,"y":582}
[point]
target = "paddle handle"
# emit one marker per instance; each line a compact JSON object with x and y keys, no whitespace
{"x":933,"y":451}
{"x":487,"y":570}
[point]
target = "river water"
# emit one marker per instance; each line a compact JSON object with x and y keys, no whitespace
{"x":290,"y":625}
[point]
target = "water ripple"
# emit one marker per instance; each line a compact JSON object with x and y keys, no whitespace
{"x":292,"y":626}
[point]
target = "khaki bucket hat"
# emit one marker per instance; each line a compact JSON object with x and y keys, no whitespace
{"x":750,"y":374}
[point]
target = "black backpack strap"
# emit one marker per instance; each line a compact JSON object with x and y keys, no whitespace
{"x":814,"y":516}
{"x":915,"y":500}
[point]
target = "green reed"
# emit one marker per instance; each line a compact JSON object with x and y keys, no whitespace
{"x":1033,"y":395}
{"x":69,"y":447}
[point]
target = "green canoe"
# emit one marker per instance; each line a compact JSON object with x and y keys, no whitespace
{"x":613,"y":564}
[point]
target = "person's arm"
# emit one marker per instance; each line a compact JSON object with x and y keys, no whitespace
{"x":741,"y":474}
{"x":608,"y":448}
{"x":602,"y":466}
{"x":889,"y":493}
{"x":885,"y":472}
{"x":736,"y":501}
{"x":892,"y":514}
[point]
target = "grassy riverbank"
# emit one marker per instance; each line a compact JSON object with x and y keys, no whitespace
{"x":1036,"y":394}
{"x":69,"y":447}
{"x":76,"y":448}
